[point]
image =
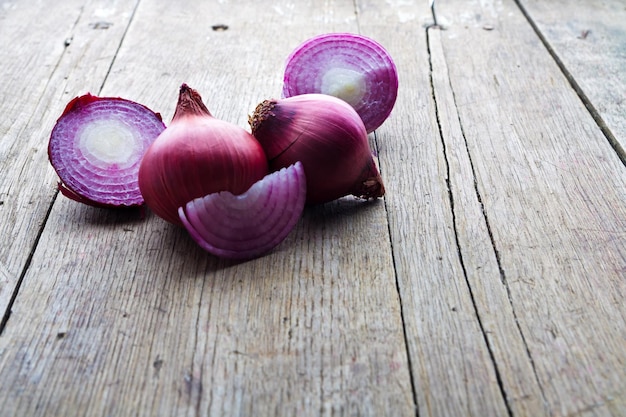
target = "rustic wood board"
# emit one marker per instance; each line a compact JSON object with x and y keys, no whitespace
{"x":589,"y":39}
{"x":480,"y":262}
{"x":490,"y":280}
{"x":135,"y":319}
{"x":453,"y":371}
{"x":50,"y":53}
{"x":552,"y":190}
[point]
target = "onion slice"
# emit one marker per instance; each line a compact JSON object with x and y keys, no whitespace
{"x":96,"y":147}
{"x":351,"y":67}
{"x":247,"y":225}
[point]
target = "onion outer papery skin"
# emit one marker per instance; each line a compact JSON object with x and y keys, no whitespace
{"x":250,"y":224}
{"x":356,"y":62}
{"x":96,"y":148}
{"x":327,"y":136}
{"x":197,"y":155}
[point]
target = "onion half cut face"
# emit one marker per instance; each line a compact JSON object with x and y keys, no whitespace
{"x":96,"y":147}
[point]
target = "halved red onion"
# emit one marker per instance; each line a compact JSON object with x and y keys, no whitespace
{"x":247,"y":225}
{"x":352,"y":67}
{"x":96,"y":147}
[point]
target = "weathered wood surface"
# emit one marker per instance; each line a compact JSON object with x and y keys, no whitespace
{"x":552,"y":191}
{"x":588,"y":38}
{"x":442,"y":330}
{"x":49,"y":54}
{"x":489,"y":281}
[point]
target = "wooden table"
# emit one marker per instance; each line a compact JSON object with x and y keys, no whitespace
{"x":490,"y":280}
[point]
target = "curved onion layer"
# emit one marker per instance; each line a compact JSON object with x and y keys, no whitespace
{"x":248,"y":225}
{"x":96,"y":147}
{"x":352,"y":67}
{"x":327,"y":136}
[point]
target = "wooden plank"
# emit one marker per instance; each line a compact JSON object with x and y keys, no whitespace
{"x":27,"y":61}
{"x":453,"y":370}
{"x":481,"y":269}
{"x":552,"y":190}
{"x":137,"y":320}
{"x":589,"y":39}
{"x":60,"y":53}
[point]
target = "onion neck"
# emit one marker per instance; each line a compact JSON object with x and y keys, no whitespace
{"x":262,"y":112}
{"x":189,"y":103}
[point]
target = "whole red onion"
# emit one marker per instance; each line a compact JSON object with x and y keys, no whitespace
{"x":197,"y":155}
{"x":328,"y":136}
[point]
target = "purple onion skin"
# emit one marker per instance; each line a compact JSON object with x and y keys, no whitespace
{"x":84,"y":177}
{"x":374,"y":72}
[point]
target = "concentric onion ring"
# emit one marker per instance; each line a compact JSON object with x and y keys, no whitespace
{"x":352,"y":67}
{"x":247,"y":225}
{"x":96,"y":147}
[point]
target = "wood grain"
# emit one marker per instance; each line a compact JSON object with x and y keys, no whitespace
{"x":50,"y":54}
{"x":453,"y":371}
{"x":589,"y":38}
{"x":553,"y":192}
{"x":480,"y":260}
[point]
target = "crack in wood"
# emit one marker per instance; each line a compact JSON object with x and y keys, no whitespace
{"x":595,"y":114}
{"x":29,"y":259}
{"x":451,"y":197}
{"x":119,"y":46}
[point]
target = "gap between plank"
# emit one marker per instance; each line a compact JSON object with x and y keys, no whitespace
{"x":29,"y":259}
{"x":487,"y":224}
{"x":7,"y":313}
{"x":399,"y":292}
{"x":393,"y":259}
{"x":355,"y":4}
{"x":119,"y":46}
{"x":498,"y":375}
{"x":606,"y":131}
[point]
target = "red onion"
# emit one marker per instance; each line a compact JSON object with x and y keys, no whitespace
{"x":327,"y":136}
{"x":197,"y":155}
{"x":96,"y":147}
{"x":248,"y":225}
{"x":352,"y":67}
